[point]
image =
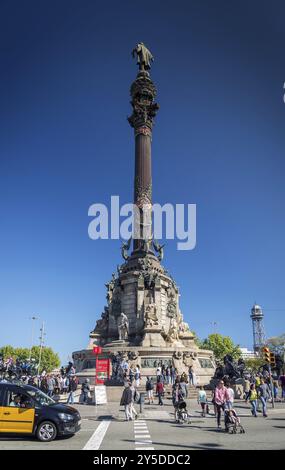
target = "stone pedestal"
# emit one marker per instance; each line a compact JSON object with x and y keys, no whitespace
{"x":152,"y":338}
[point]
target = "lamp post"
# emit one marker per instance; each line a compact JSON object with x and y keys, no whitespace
{"x":32,"y":335}
{"x":42,"y":339}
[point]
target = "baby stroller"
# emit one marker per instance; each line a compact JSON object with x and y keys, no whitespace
{"x":181,"y":413}
{"x":232,"y":422}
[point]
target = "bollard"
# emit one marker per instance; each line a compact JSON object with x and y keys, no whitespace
{"x":141,"y":402}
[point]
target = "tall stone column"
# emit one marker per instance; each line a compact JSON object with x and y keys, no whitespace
{"x":143,"y":93}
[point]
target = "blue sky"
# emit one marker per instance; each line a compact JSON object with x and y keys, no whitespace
{"x":65,"y":143}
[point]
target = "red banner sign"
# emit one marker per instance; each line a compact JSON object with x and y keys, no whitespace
{"x":102,"y":370}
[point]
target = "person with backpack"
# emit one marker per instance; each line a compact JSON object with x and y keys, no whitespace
{"x":85,"y":388}
{"x":126,"y":401}
{"x":159,"y":390}
{"x":177,"y":397}
{"x":149,"y":389}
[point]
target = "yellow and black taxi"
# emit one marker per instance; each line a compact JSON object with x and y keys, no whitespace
{"x":27,"y":410}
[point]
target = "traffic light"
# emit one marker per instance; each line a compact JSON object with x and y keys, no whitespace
{"x":272,"y":359}
{"x":266,"y":354}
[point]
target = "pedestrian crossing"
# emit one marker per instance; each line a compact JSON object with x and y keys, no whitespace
{"x":142,"y":436}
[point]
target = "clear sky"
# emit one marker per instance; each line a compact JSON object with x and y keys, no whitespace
{"x":65,"y":143}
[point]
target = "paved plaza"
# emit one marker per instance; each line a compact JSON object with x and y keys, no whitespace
{"x":104,"y":428}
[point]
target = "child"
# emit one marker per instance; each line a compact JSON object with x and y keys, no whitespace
{"x":202,"y":400}
{"x":233,"y":418}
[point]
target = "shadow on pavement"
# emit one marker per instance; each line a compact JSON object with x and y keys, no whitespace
{"x":167,"y":444}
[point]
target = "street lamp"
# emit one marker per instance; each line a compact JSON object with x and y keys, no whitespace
{"x":42,"y":339}
{"x":32,"y":335}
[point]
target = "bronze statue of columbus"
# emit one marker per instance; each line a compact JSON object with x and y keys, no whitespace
{"x":144,"y":56}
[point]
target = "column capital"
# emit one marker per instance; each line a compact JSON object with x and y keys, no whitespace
{"x":143,"y":93}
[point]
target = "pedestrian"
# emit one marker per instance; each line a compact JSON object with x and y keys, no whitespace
{"x":158,"y":372}
{"x":183,"y":387}
{"x":246,"y":389}
{"x":171,"y":382}
{"x":220,"y":397}
{"x":177,"y":397}
{"x":275,"y":390}
{"x":50,"y":385}
{"x":72,"y":387}
{"x":137,"y":376}
{"x":229,"y":397}
{"x":149,"y":389}
{"x":167,"y":375}
{"x":85,"y":388}
{"x":135,"y":398}
{"x":173,"y":375}
{"x":252,"y":397}
{"x":44,"y":385}
{"x":159,"y":391}
{"x":131,"y":375}
{"x":126,"y":401}
{"x":257,"y":380}
{"x":190,"y":373}
{"x":263,"y":395}
{"x":65,"y":384}
{"x":125,"y":379}
{"x":282,"y":385}
{"x":202,"y":400}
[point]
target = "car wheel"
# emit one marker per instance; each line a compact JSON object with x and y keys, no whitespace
{"x":46,"y":431}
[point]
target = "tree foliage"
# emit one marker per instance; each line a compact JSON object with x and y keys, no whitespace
{"x":221,"y":345}
{"x":49,"y":359}
{"x":254,"y":363}
{"x":277,"y":344}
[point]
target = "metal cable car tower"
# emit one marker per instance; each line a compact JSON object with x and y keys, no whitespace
{"x":257,"y":328}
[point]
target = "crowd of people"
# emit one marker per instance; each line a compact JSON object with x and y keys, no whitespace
{"x":164,"y":374}
{"x":131,"y":395}
{"x":257,"y":392}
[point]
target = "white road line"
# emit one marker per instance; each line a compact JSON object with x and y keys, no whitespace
{"x":143,"y":441}
{"x":144,"y":448}
{"x":97,"y":437}
{"x":142,"y":436}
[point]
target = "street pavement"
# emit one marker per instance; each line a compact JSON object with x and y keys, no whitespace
{"x":104,"y":428}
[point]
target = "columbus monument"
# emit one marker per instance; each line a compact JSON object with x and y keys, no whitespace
{"x":142,"y":322}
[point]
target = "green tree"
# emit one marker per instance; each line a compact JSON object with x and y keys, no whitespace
{"x":49,"y":359}
{"x":221,"y":345}
{"x":277,"y":344}
{"x":253,"y":364}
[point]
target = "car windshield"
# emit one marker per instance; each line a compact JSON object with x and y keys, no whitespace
{"x":41,"y":397}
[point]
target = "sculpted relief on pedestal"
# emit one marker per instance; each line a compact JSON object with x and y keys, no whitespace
{"x":171,"y":305}
{"x":151,"y":318}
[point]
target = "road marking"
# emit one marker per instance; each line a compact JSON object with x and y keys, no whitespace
{"x":97,"y":437}
{"x":144,"y":448}
{"x":139,"y":443}
{"x":142,"y":436}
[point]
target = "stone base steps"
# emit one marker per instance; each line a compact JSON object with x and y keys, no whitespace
{"x":192,"y":391}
